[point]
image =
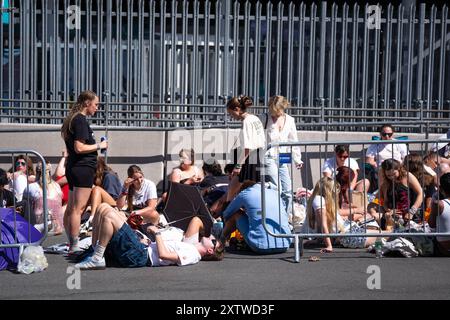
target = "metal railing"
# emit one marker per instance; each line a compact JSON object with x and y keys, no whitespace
{"x":27,"y":236}
{"x":165,"y":63}
{"x":324,"y":150}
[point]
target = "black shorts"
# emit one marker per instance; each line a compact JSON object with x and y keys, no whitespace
{"x":251,"y":169}
{"x":80,"y":177}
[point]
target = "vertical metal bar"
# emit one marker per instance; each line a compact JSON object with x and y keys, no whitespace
{"x":218,"y":16}
{"x":66,"y":56}
{"x":173,"y":50}
{"x":312,"y":49}
{"x":58,"y":64}
{"x":54,"y":65}
{"x":398,"y":63}
{"x":279,"y":47}
{"x":257,"y":46}
{"x":226,"y":48}
{"x":129,"y":56}
{"x":343,"y":76}
{"x":44,"y":51}
{"x":89,"y":46}
{"x":183,"y":79}
{"x":195,"y":72}
{"x":354,"y":76}
{"x":290,"y":60}
{"x":420,"y":78}
{"x":332,"y":74}
{"x":245,"y":63}
{"x":99,"y":47}
{"x":151,"y":23}
{"x":365,"y":64}
{"x":429,"y":103}
{"x":376,"y":69}
{"x":11,"y":58}
{"x":323,"y":39}
{"x":108,"y":56}
{"x":2,"y":54}
{"x":387,"y":63}
{"x":301,"y":46}
{"x":268,"y":52}
{"x":206,"y":54}
{"x":33,"y":55}
{"x":409,"y":76}
{"x":162,"y":67}
{"x":442,"y":58}
{"x":236,"y":49}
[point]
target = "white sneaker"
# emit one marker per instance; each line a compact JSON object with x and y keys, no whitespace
{"x":90,"y":264}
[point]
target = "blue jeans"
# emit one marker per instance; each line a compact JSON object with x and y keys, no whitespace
{"x":127,"y":250}
{"x":272,"y":175}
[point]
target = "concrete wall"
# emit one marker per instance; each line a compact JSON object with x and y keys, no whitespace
{"x":148,"y":148}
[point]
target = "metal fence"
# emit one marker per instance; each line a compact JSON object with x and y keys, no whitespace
{"x":325,"y":150}
{"x":170,"y":63}
{"x":13,"y":233}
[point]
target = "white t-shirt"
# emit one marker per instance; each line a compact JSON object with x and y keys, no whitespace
{"x":319,"y":203}
{"x":252,"y":134}
{"x":330,"y":165}
{"x":287,"y":134}
{"x":147,"y":192}
{"x":187,"y":254}
{"x":381,"y":152}
{"x":18,"y":186}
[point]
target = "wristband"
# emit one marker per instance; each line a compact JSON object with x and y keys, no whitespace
{"x":413,"y":210}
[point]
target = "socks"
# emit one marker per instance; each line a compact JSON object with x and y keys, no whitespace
{"x":99,"y":251}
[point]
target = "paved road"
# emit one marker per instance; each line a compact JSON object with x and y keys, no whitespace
{"x":340,"y":275}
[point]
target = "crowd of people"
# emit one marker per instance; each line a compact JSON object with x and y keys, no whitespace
{"x":86,"y":197}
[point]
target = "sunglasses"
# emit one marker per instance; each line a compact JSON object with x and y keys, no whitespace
{"x":20,"y":163}
{"x":387,"y":134}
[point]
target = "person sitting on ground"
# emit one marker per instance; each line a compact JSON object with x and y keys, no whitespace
{"x":6,"y":196}
{"x":341,"y":159}
{"x":187,"y":172}
{"x":54,"y":200}
{"x":249,"y":220}
{"x":112,"y":233}
{"x":107,"y":189}
{"x":21,"y":175}
{"x":139,"y":196}
{"x":215,"y":183}
{"x":440,"y":216}
{"x":400,"y":192}
{"x":413,"y":163}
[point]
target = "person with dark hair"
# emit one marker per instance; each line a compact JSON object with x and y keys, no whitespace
{"x":401,"y":191}
{"x":107,"y":189}
{"x":112,"y":234}
{"x":20,"y":175}
{"x":139,"y":196}
{"x":252,"y":139}
{"x":187,"y":172}
{"x":377,"y":153}
{"x":440,"y":216}
{"x":6,"y":196}
{"x":244,"y":214}
{"x":215,"y":184}
{"x":81,"y":162}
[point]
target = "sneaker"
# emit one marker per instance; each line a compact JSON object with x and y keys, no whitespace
{"x":90,"y":264}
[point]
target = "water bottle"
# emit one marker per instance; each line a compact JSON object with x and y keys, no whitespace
{"x":378,"y":248}
{"x":103,"y":151}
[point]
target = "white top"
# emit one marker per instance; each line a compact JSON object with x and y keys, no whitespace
{"x":443,"y":221}
{"x":145,"y":193}
{"x":319,"y":203}
{"x":19,"y":185}
{"x":330,"y":165}
{"x":287,"y":134}
{"x":187,"y":254}
{"x":252,"y":134}
{"x":430,"y":171}
{"x":381,"y":152}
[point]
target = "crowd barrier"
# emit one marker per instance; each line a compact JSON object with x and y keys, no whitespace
{"x":326,"y":150}
{"x":16,"y":230}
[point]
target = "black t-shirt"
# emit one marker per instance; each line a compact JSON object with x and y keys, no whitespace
{"x":6,"y":198}
{"x":210,"y":181}
{"x":80,"y":130}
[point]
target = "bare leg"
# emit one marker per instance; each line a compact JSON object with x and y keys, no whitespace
{"x":194,"y":227}
{"x":109,"y":223}
{"x":99,"y":195}
{"x":75,"y":209}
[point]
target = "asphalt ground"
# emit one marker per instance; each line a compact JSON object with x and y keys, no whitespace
{"x":344,"y":274}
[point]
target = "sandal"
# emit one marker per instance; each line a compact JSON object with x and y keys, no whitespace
{"x":325,"y":250}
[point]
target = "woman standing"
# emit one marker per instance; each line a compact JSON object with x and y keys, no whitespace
{"x":251,"y":138}
{"x":81,"y":162}
{"x":280,"y":128}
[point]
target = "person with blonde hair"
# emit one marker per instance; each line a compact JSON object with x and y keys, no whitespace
{"x":81,"y":162}
{"x":280,"y":127}
{"x":322,"y":211}
{"x":246,"y":157}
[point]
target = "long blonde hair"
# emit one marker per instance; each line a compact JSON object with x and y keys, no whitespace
{"x":82,"y":100}
{"x":329,"y":189}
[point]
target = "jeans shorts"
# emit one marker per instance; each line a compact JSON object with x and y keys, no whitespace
{"x":127,"y":250}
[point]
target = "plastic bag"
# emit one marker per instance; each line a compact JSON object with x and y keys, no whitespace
{"x":32,"y":260}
